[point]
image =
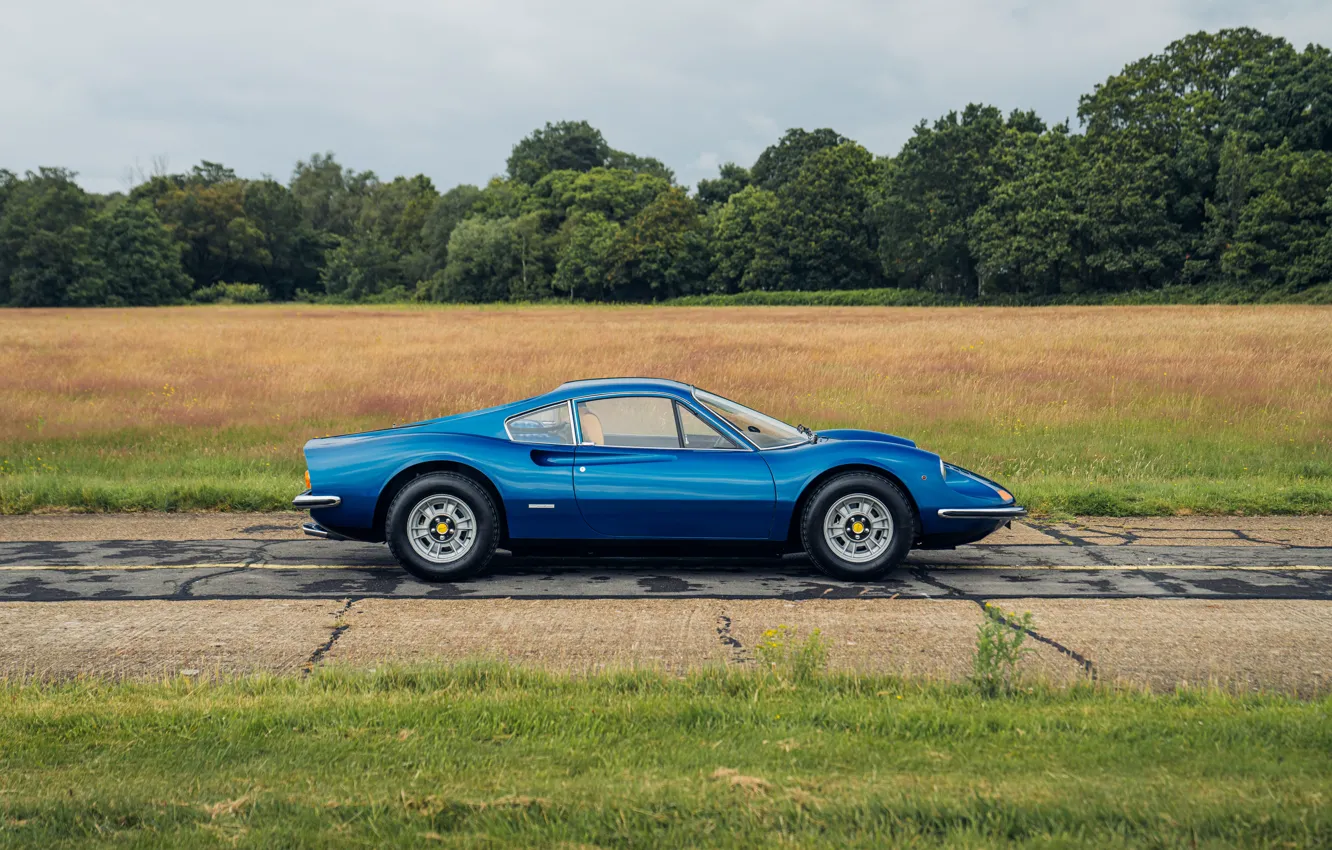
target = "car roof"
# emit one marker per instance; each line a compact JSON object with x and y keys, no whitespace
{"x":597,"y":385}
{"x":581,"y":388}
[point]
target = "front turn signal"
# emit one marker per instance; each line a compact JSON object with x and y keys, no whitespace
{"x":308,"y":486}
{"x":1003,"y":494}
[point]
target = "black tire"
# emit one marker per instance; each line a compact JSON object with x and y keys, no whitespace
{"x":465,"y":490}
{"x":828,"y":560}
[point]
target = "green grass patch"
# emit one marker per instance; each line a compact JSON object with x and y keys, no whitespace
{"x":250,"y":468}
{"x":1119,"y":468}
{"x":489,"y":756}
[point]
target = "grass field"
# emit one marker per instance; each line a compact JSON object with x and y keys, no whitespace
{"x":485,"y":756}
{"x":1094,"y":410}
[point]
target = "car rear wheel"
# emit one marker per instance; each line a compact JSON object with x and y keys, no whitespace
{"x":442,"y":527}
{"x":857,"y":526}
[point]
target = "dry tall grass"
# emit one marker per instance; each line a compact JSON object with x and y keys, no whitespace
{"x":1070,"y":395}
{"x":75,"y":372}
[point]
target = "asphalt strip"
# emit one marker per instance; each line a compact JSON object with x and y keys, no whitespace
{"x":977,"y":567}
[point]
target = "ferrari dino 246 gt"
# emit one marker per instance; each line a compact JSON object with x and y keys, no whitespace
{"x":643,"y":464}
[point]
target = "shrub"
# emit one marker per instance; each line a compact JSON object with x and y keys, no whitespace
{"x":392,"y":295}
{"x":886,"y":297}
{"x":231,"y":293}
{"x":890,"y":297}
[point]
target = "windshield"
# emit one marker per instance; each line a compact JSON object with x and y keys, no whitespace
{"x":763,"y":431}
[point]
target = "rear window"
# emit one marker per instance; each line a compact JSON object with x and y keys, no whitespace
{"x":549,"y":426}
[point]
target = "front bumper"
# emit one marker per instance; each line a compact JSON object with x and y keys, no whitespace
{"x":309,"y":500}
{"x":1011,"y":512}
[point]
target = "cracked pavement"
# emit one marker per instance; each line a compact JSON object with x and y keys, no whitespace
{"x":1240,"y":602}
{"x":46,"y":571}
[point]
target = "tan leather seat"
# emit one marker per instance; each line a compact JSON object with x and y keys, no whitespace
{"x":592,"y":432}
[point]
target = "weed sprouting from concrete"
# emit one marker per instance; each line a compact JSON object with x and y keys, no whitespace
{"x":999,"y":649}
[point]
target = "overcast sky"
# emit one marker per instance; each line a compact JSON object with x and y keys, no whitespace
{"x":445,"y":87}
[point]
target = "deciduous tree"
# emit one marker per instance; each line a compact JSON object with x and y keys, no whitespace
{"x":780,"y":162}
{"x":139,"y":262}
{"x":484,"y":260}
{"x":566,"y":146}
{"x":718,"y":190}
{"x":944,"y":176}
{"x":46,"y":253}
{"x":746,"y":243}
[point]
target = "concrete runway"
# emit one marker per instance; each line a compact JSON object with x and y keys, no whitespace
{"x":49,"y":571}
{"x":1242,"y":603}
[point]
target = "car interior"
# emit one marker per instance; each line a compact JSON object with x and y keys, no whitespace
{"x":646,"y":422}
{"x":592,"y":433}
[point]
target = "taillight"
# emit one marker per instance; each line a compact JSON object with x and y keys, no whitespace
{"x":308,"y":485}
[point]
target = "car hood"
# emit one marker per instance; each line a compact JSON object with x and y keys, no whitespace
{"x":865,"y":436}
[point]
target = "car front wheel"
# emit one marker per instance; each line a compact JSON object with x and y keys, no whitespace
{"x":442,"y":527}
{"x":858,"y":526}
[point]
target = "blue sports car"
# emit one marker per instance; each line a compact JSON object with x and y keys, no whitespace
{"x":644,"y":464}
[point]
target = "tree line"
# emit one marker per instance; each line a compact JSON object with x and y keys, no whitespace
{"x":1209,"y":164}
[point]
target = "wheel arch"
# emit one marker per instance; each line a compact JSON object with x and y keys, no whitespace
{"x":398,"y":481}
{"x":793,"y":527}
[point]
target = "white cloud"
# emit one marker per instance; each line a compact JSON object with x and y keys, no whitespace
{"x":445,"y":88}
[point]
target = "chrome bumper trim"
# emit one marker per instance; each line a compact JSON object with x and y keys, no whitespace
{"x":314,"y":529}
{"x":983,"y":513}
{"x":306,"y":500}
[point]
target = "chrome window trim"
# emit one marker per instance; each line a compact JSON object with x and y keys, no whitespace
{"x":679,"y":425}
{"x":756,"y":446}
{"x":573,"y":424}
{"x":783,"y":446}
{"x":678,"y":432}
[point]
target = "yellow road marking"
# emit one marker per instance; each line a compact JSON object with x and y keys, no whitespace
{"x":1127,"y":568}
{"x":932,"y":568}
{"x":106,"y":567}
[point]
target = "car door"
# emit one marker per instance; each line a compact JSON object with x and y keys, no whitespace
{"x":536,"y":475}
{"x":651,"y":467}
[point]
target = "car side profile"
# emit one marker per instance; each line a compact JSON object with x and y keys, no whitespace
{"x":644,"y":465}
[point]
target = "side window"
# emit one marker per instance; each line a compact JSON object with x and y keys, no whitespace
{"x":629,"y":421}
{"x":699,"y":434}
{"x":548,"y":426}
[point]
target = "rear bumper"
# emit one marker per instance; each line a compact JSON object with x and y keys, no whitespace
{"x":1012,"y":512}
{"x":309,"y":500}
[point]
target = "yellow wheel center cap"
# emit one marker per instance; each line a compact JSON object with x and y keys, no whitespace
{"x":857,"y":526}
{"x":442,"y":528}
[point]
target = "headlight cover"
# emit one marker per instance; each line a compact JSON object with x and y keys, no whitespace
{"x":954,"y":472}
